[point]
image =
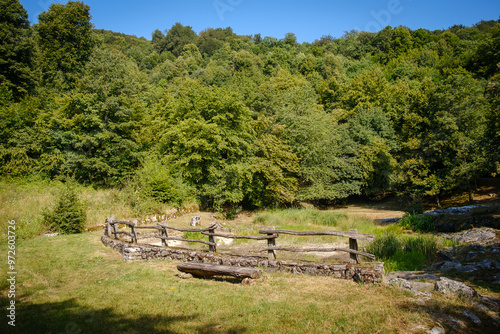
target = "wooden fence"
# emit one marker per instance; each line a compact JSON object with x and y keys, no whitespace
{"x":269,"y":234}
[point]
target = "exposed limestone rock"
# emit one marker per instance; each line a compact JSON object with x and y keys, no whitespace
{"x":447,"y":286}
{"x":472,"y":316}
{"x":417,"y":288}
{"x":478,"y":235}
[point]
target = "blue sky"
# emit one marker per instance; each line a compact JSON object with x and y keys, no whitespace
{"x":308,"y":20}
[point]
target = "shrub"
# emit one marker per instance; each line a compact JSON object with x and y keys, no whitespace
{"x":417,"y":223}
{"x":156,"y":180}
{"x":68,"y":216}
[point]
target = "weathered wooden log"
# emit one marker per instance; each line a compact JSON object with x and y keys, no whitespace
{"x":186,"y":240}
{"x":208,"y":269}
{"x":357,"y":236}
{"x":186,"y":229}
{"x":151,"y":227}
{"x":290,"y":249}
{"x":123,"y":232}
{"x":233,"y":236}
{"x":123,"y":222}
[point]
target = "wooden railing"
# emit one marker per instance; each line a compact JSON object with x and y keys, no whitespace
{"x":270,"y":235}
{"x":353,"y":236}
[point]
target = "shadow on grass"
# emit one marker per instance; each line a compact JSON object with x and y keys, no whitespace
{"x":70,"y":317}
{"x":454,"y":318}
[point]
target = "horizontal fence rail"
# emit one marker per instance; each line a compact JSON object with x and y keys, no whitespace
{"x":351,"y":235}
{"x":269,"y":234}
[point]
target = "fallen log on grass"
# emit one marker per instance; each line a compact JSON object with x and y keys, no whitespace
{"x":208,"y":269}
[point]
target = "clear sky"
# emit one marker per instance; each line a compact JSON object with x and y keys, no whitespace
{"x":307,"y":19}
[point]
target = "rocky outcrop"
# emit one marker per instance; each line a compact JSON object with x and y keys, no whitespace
{"x":477,"y":236}
{"x":422,"y":283}
{"x":448,"y":286}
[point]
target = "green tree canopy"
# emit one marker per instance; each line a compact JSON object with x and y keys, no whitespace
{"x":208,"y":137}
{"x":94,"y":126}
{"x":16,"y":49}
{"x":65,"y":40}
{"x":177,"y":37}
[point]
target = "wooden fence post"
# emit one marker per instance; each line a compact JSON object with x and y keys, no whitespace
{"x":271,"y":242}
{"x":353,"y":244}
{"x":115,"y":230}
{"x":211,"y":238}
{"x":134,"y":232}
{"x":107,"y":230}
{"x":164,"y":233}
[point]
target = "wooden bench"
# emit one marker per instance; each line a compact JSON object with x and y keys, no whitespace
{"x":208,"y":270}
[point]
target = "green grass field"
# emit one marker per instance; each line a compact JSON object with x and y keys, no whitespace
{"x":74,"y":284}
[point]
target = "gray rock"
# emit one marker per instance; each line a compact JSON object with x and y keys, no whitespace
{"x":481,"y":307}
{"x":453,"y":210}
{"x":436,"y":330}
{"x":480,"y":235}
{"x":50,"y":235}
{"x":426,"y":329}
{"x":450,"y":265}
{"x":472,"y":316}
{"x":184,"y":275}
{"x":448,"y":286}
{"x":416,"y":288}
{"x":400,"y":283}
{"x":456,"y":324}
{"x":466,"y":269}
{"x":412,"y":275}
{"x":488,"y":264}
{"x":471,"y":255}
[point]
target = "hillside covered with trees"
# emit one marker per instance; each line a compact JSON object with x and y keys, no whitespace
{"x":248,"y":121}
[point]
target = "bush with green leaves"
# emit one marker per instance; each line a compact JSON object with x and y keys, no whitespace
{"x":69,"y":215}
{"x":156,"y":180}
{"x":417,"y":223}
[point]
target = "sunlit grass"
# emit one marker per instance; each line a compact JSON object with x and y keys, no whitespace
{"x":399,"y":249}
{"x":75,"y":280}
{"x":25,"y":201}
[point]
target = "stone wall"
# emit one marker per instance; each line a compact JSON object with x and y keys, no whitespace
{"x":371,"y":272}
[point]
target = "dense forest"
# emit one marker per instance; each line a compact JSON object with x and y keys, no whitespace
{"x":248,"y":121}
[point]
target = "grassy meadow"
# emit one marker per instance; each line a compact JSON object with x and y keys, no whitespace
{"x":73,"y":284}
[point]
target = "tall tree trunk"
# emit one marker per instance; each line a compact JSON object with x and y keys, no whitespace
{"x":469,"y":188}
